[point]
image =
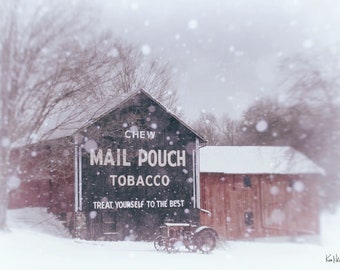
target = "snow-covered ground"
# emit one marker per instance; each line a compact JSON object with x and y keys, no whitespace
{"x":46,"y":245}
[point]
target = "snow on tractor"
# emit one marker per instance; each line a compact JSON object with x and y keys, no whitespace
{"x":176,"y":237}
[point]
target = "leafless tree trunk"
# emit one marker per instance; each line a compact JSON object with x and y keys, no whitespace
{"x":230,"y":131}
{"x":135,"y":71}
{"x":207,"y":126}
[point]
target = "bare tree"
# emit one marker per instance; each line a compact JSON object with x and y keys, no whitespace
{"x":263,"y":123}
{"x":231,"y":131}
{"x":313,"y":90}
{"x":307,"y":118}
{"x":135,"y":71}
{"x":55,"y":70}
{"x":37,"y":72}
{"x":207,"y":125}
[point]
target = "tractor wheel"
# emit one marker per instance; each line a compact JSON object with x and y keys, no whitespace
{"x":205,"y":241}
{"x":174,"y":245}
{"x":160,"y":243}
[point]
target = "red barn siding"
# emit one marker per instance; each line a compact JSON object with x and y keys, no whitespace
{"x":35,"y":193}
{"x":47,"y":177}
{"x":270,"y":207}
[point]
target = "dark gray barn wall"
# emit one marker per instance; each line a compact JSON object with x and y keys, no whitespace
{"x":139,"y":123}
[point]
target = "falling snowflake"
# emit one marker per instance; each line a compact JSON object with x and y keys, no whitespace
{"x":308,"y":43}
{"x":134,"y":6}
{"x":92,"y":214}
{"x":146,"y":50}
{"x":133,"y":129}
{"x":13,"y":182}
{"x":5,"y":142}
{"x":152,"y":108}
{"x":277,"y":217}
{"x":113,"y":53}
{"x":274,"y":190}
{"x":190,"y":180}
{"x":298,"y":186}
{"x":192,"y":24}
{"x":262,"y":126}
{"x":90,"y":145}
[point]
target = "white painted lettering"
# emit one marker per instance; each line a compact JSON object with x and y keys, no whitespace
{"x":112,"y":158}
{"x":118,"y":156}
{"x":151,"y":134}
{"x":125,"y":162}
{"x":121,"y":180}
{"x":130,"y":180}
{"x":181,"y":161}
{"x":142,"y":134}
{"x":142,"y":156}
{"x":162,"y":158}
{"x":156,"y":180}
{"x":109,"y":158}
{"x":140,"y":181}
{"x":152,"y":158}
{"x":147,"y":180}
{"x":127,"y":134}
{"x":113,"y":178}
{"x":96,"y":159}
{"x":170,"y":154}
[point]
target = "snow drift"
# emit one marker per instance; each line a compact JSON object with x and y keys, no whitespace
{"x":37,"y":240}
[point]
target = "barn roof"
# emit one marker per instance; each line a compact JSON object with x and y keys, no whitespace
{"x":80,"y":120}
{"x":256,"y":160}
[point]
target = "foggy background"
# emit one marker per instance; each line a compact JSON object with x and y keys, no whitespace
{"x":64,"y":63}
{"x":225,"y":54}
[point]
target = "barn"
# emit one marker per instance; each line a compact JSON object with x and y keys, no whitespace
{"x":118,"y":176}
{"x":128,"y":168}
{"x":258,"y":191}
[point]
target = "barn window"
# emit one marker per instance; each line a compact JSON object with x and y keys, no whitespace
{"x":249,"y":218}
{"x":246,"y":181}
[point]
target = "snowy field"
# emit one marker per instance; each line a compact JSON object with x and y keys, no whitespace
{"x":46,"y":245}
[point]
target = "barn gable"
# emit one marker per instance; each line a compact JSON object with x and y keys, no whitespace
{"x":135,"y":162}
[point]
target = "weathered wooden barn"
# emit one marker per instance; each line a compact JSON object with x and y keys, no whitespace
{"x":258,"y":191}
{"x":118,"y":176}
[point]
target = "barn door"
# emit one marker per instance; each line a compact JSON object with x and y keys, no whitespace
{"x":217,"y":208}
{"x":109,"y":224}
{"x":274,"y":204}
{"x":240,"y":221}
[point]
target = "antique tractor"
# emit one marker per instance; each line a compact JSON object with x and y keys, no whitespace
{"x":175,"y":237}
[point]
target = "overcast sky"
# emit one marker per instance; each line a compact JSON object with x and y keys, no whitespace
{"x":225,"y":53}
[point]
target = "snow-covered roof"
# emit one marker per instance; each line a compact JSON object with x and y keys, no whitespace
{"x":256,"y":160}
